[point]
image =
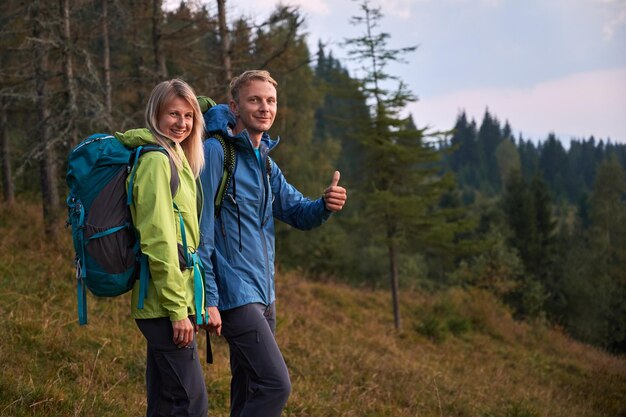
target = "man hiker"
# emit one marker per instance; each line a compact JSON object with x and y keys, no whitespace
{"x":238,"y":241}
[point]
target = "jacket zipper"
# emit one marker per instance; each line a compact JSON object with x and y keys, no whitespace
{"x":266,"y":191}
{"x":226,"y":240}
{"x":263,"y":222}
{"x":199,"y":199}
{"x":267,"y":268}
{"x":264,"y":181}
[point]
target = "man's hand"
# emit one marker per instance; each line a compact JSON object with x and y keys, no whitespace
{"x":215,"y":321}
{"x":335,"y":195}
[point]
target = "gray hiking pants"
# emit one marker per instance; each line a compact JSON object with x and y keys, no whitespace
{"x":260,"y":382}
{"x":174,"y":377}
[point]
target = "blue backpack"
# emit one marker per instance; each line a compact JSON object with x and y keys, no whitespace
{"x":108,"y":257}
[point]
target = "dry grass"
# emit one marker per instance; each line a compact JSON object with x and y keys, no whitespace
{"x":460,"y":353}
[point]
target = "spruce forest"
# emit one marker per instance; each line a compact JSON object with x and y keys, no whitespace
{"x":539,"y":225}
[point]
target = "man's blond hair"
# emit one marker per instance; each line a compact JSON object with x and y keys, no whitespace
{"x":244,"y":79}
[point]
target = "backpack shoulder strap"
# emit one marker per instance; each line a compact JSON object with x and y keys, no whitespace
{"x":268,"y":166}
{"x":140,"y":150}
{"x":229,"y":167}
{"x":175,"y":179}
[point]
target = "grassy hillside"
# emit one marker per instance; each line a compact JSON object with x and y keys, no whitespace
{"x":460,"y":353}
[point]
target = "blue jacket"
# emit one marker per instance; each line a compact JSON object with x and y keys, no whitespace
{"x":237,"y":248}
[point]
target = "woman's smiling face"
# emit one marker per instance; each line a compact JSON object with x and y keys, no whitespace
{"x":176,"y":119}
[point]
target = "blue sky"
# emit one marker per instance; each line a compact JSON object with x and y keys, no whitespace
{"x":546,"y":66}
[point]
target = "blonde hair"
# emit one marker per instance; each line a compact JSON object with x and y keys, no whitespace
{"x":192,"y":146}
{"x":243,"y":80}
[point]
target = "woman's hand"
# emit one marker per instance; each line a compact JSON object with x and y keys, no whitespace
{"x":183,"y":332}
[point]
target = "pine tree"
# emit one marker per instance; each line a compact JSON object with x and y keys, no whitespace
{"x":489,"y":137}
{"x":574,"y":181}
{"x":518,"y":207}
{"x":529,"y":158}
{"x":400,"y":187}
{"x":553,"y":164}
{"x":596,"y":288}
{"x":529,"y":217}
{"x":547,"y":263}
{"x":465,"y":158}
{"x":507,"y":159}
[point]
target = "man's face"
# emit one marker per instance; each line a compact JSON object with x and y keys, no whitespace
{"x":256,"y":108}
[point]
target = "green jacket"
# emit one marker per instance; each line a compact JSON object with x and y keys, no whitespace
{"x":170,"y":290}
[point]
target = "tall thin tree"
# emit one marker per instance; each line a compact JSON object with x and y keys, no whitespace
{"x":68,"y":73}
{"x":160,"y":68}
{"x":106,"y":62}
{"x":136,"y":9}
{"x":224,"y":41}
{"x":47,"y":154}
{"x":8,"y":190}
{"x":400,"y":186}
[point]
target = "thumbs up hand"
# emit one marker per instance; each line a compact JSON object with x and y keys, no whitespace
{"x":335,"y":195}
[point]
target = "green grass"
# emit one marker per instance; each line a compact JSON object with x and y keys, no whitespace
{"x":460,"y":353}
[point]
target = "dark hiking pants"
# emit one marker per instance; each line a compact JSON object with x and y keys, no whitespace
{"x":174,"y":378}
{"x":260,"y":382}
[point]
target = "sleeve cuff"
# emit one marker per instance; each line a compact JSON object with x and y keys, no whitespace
{"x":179,"y":314}
{"x":326,"y":213}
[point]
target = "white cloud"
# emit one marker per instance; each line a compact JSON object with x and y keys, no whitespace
{"x":485,"y":2}
{"x":579,"y":106}
{"x":397,"y":8}
{"x":316,"y":7}
{"x":615,"y":16}
{"x":615,"y":23}
{"x":256,"y":8}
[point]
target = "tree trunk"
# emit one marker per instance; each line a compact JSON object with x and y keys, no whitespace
{"x":137,"y":58}
{"x":159,"y":58}
{"x":47,"y":160}
{"x":5,"y":159}
{"x":393,"y":274}
{"x":224,"y":42}
{"x":106,"y":63}
{"x":68,"y":73}
{"x":284,"y":104}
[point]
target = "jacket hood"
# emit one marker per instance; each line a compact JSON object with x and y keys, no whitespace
{"x":219,"y":119}
{"x":136,"y":137}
